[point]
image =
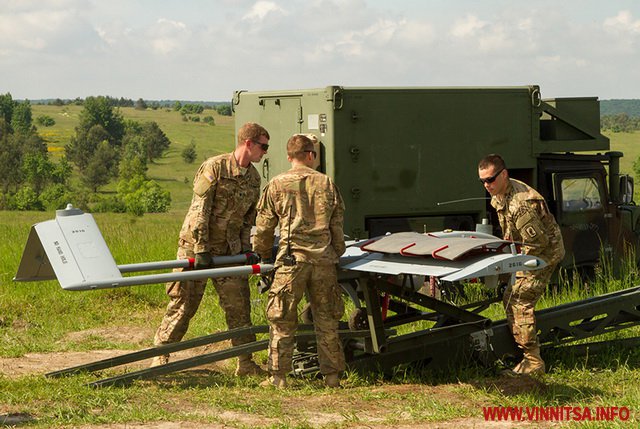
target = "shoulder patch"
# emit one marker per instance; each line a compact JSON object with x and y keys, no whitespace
{"x":202,"y":184}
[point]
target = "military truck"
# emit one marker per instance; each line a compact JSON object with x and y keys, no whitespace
{"x":406,"y":158}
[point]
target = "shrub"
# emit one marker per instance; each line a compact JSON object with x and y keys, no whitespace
{"x":224,"y":109}
{"x":25,"y":199}
{"x":109,"y":204}
{"x":56,"y":197}
{"x":189,"y":153}
{"x":143,"y":196}
{"x":45,"y":121}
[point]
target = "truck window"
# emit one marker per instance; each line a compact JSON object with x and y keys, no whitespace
{"x":580,"y":194}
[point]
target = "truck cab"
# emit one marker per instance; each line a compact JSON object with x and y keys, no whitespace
{"x":595,"y":223}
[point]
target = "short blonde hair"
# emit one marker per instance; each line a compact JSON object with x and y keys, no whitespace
{"x":298,"y":145}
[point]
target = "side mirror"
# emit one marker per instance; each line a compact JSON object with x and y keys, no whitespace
{"x":626,"y":189}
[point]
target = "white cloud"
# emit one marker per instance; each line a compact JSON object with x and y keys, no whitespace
{"x":623,"y":22}
{"x":167,"y":36}
{"x":469,"y":26}
{"x":261,"y":9}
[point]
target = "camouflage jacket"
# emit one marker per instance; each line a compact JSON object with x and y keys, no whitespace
{"x":308,"y":204}
{"x":223,"y":207}
{"x":525,"y":217}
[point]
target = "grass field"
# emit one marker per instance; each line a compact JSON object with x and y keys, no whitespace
{"x":629,"y":144}
{"x":45,"y":327}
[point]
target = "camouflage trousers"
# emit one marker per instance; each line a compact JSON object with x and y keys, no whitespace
{"x":327,"y":307}
{"x":519,"y":301}
{"x":185,"y":297}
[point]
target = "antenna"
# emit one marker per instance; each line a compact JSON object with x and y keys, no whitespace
{"x":462,"y":200}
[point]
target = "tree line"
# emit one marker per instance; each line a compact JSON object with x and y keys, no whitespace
{"x":620,"y":123}
{"x":104,"y":148}
{"x":185,"y":108}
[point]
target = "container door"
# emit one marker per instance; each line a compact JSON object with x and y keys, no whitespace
{"x":286,"y":113}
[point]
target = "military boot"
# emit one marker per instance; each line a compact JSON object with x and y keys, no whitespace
{"x":159,"y":360}
{"x":246,"y":366}
{"x":332,"y":380}
{"x":277,"y":380}
{"x":531,"y":363}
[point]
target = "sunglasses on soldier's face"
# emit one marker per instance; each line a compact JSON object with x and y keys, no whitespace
{"x":315,"y":154}
{"x":264,"y":146}
{"x":492,"y":178}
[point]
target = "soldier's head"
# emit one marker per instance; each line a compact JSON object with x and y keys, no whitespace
{"x":300,"y":150}
{"x":253,"y":141}
{"x":492,"y":172}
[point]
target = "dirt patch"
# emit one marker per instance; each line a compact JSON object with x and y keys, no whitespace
{"x":42,"y":363}
{"x":125,"y":334}
{"x":510,"y":385}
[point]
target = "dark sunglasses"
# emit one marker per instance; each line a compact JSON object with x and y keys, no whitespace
{"x":492,"y":178}
{"x":315,"y":155}
{"x":264,"y":146}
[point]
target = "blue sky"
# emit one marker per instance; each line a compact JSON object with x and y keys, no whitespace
{"x":206,"y":49}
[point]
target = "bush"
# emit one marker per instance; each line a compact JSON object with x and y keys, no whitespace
{"x":224,"y":109}
{"x":109,"y":204}
{"x":45,"y":121}
{"x":189,"y":153}
{"x":56,"y":197}
{"x":191,"y":109}
{"x":25,"y":199}
{"x":209,"y":120}
{"x":143,"y":196}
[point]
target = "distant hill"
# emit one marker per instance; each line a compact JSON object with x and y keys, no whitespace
{"x":614,"y":107}
{"x":161,"y":103}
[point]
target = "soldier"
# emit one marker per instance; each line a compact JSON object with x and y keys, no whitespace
{"x":225,"y":191}
{"x":308,"y":208}
{"x":524,"y":217}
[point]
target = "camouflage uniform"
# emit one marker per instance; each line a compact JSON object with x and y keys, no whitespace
{"x":219,"y":221}
{"x":524,"y":217}
{"x":308,"y":204}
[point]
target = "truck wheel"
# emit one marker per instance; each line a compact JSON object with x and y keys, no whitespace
{"x":358,"y":320}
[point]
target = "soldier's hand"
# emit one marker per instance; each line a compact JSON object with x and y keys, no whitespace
{"x":252,"y":258}
{"x":203,"y":260}
{"x":264,"y":284}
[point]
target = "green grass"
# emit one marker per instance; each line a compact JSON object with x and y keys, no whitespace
{"x":629,"y":144}
{"x":40,"y":318}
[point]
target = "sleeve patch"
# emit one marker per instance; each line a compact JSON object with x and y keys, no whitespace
{"x":531,"y":231}
{"x":202,"y":184}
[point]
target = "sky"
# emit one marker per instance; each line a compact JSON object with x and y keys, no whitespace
{"x":207,"y":49}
